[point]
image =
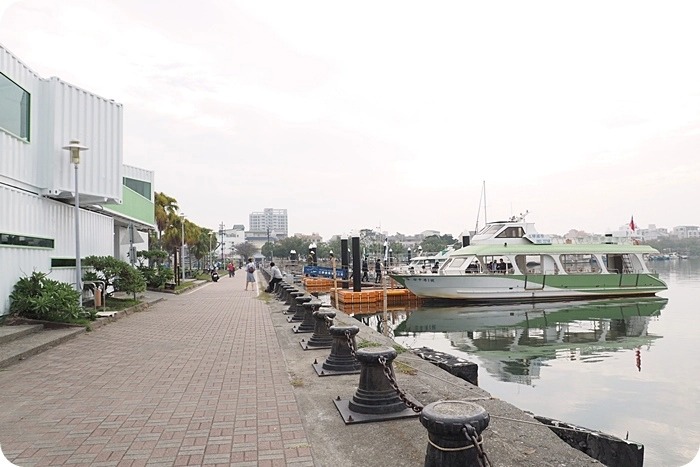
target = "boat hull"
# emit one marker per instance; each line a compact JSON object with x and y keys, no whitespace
{"x":536,"y":287}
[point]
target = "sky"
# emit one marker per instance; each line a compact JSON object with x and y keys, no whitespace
{"x":392,"y":115}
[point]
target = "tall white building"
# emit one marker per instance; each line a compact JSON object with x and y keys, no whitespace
{"x":273,"y":219}
{"x":38,"y":118}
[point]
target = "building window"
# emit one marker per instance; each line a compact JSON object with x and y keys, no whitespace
{"x":24,"y":240}
{"x":14,"y":108}
{"x":140,"y":187}
{"x":63,"y":262}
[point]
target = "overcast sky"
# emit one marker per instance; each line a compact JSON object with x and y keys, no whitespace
{"x":392,"y":114}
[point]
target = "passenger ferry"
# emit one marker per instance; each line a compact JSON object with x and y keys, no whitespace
{"x":510,"y":261}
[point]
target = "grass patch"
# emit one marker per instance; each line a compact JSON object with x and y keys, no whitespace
{"x":399,"y":349}
{"x":365,"y":343}
{"x":297,"y":382}
{"x":405,"y":369}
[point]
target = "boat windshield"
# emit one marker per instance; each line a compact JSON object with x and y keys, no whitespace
{"x":490,"y":229}
{"x":512,"y":232}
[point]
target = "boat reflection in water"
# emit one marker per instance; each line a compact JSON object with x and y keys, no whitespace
{"x":512,"y":342}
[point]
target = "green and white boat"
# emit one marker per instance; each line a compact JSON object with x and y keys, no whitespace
{"x":510,"y":261}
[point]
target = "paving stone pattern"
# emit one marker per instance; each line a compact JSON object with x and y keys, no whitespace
{"x":197,"y":379}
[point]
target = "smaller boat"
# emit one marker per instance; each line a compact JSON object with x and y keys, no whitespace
{"x":424,"y":263}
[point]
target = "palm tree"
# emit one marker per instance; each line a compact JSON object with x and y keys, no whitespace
{"x":165,"y":208}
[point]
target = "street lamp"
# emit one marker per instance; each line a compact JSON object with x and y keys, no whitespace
{"x":221,"y":232}
{"x":182,"y":248}
{"x":75,"y":147}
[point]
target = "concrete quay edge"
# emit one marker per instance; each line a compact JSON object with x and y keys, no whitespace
{"x":513,"y":438}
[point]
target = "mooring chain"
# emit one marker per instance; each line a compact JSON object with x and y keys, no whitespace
{"x":394,"y":384}
{"x":476,"y":439}
{"x":350,"y":344}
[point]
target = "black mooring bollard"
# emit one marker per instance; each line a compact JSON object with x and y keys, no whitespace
{"x":292,"y":294}
{"x":308,"y":321}
{"x":298,"y":308}
{"x":321,"y":338}
{"x":451,"y":426}
{"x":285,"y":288}
{"x":374,"y":394}
{"x":341,"y":360}
{"x":375,"y":399}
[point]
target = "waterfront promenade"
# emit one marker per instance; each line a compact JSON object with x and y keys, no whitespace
{"x":215,"y":376}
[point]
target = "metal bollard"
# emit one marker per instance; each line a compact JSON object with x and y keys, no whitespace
{"x":454,"y":433}
{"x":341,"y":360}
{"x":321,"y":338}
{"x":375,"y":399}
{"x":284,"y":291}
{"x":298,"y":308}
{"x":292,"y":294}
{"x":308,"y":322}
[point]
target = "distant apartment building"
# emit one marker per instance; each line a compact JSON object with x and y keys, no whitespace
{"x":652,"y":232}
{"x":274,"y":220}
{"x":686,"y":231}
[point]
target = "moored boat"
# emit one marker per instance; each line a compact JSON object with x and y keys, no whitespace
{"x":510,"y":261}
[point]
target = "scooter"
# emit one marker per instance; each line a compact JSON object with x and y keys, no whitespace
{"x":215,"y":276}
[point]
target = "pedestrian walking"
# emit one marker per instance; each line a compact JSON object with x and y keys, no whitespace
{"x":231,"y":269}
{"x":250,"y":273}
{"x":365,"y":271}
{"x":378,"y":271}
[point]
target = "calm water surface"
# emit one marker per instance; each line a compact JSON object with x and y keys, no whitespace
{"x":627,"y":367}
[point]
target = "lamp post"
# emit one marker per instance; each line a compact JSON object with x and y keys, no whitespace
{"x":75,"y":147}
{"x":268,"y":241}
{"x":221,"y":232}
{"x":182,"y":248}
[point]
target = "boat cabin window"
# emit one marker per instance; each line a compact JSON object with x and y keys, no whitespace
{"x":455,"y":263}
{"x":512,"y":232}
{"x":490,"y":229}
{"x":580,"y":264}
{"x":529,"y":264}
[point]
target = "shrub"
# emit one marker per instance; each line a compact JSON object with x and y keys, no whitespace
{"x":116,"y":273}
{"x":156,"y":277}
{"x":38,"y":297}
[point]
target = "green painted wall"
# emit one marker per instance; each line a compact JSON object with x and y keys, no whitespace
{"x":135,"y":206}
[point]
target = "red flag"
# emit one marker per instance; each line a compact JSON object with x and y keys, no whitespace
{"x":633,"y":226}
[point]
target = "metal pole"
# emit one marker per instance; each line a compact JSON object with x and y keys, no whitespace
{"x":221,"y":231}
{"x":182,"y":252}
{"x":78,"y":271}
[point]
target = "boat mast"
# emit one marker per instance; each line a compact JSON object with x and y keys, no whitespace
{"x":484,"y":190}
{"x":482,"y":199}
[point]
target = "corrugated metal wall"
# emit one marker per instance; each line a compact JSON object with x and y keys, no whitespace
{"x":59,"y":113}
{"x":97,"y":124}
{"x":28,"y":214}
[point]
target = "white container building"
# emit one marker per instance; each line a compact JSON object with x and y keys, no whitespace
{"x":38,"y":117}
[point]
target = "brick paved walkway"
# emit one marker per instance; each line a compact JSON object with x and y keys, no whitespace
{"x":197,"y":379}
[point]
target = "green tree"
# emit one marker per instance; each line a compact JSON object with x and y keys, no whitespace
{"x":434,"y":243}
{"x":246,"y":250}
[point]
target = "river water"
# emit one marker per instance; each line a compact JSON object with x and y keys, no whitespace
{"x":626,"y":367}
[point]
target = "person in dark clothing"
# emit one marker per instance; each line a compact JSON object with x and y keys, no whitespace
{"x":378,"y":271}
{"x":365,"y":271}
